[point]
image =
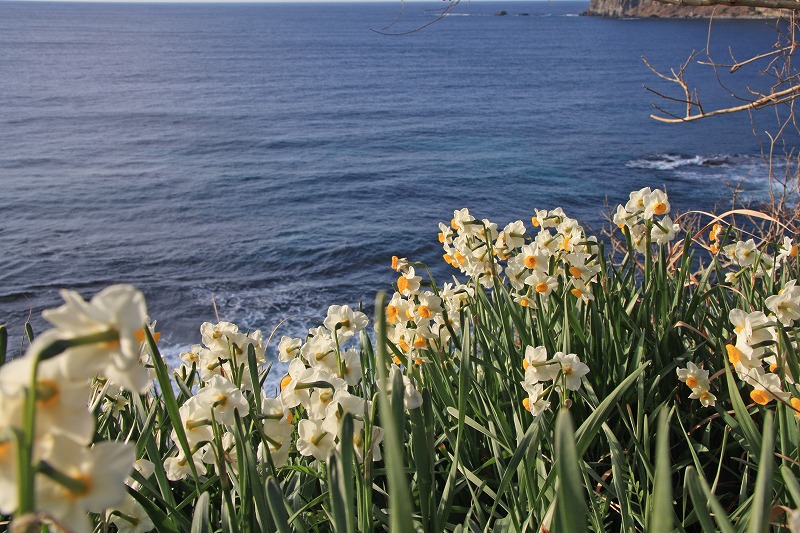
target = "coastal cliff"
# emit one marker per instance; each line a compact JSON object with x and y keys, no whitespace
{"x":652,"y":8}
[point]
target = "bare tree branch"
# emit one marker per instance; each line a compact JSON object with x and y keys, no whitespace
{"x":677,"y":77}
{"x":442,"y":14}
{"x":739,"y":64}
{"x":765,"y":101}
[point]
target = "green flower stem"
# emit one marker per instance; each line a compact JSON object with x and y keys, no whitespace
{"x":314,"y":385}
{"x":339,"y":362}
{"x":216,"y":365}
{"x":198,"y":423}
{"x":75,"y":486}
{"x":57,"y":347}
{"x":272,"y":441}
{"x":128,"y":518}
{"x":3,"y":344}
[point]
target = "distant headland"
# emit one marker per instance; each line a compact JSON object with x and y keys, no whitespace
{"x":652,"y":8}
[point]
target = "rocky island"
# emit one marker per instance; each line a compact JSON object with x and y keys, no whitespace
{"x":653,"y":8}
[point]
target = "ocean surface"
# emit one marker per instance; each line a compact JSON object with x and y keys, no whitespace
{"x":272,"y":158}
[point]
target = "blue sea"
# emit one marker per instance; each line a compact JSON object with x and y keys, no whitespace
{"x":271,"y":158}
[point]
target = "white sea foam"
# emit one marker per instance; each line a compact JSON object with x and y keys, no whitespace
{"x":673,"y":161}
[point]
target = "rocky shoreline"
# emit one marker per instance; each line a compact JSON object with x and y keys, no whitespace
{"x":652,"y":8}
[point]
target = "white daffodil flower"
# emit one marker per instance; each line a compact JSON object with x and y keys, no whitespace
{"x":131,"y":517}
{"x":693,"y":376}
{"x":537,"y":367}
{"x":223,"y":399}
{"x":313,"y":440}
{"x":704,"y":396}
{"x":534,"y":402}
{"x":664,"y":231}
{"x":635,"y":202}
{"x":572,"y":369}
{"x":289,"y":348}
{"x":786,"y":304}
{"x":61,"y":403}
{"x":177,"y":467}
{"x":78,"y":480}
{"x":655,"y":203}
{"x":542,"y":283}
{"x":107,"y":333}
{"x":344,"y":321}
{"x":196,"y":421}
{"x":215,"y":336}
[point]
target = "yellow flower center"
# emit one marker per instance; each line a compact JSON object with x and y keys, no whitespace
{"x":524,"y":302}
{"x":535,"y":222}
{"x":48,"y":393}
{"x":404,"y":345}
{"x":460,"y":258}
{"x":565,"y":243}
{"x":391,"y":313}
{"x":660,"y":208}
{"x":772,"y":367}
{"x":525,"y":364}
{"x":402,"y":284}
{"x":424,"y":311}
{"x":449,"y":259}
{"x":221,"y":400}
{"x":760,"y":397}
{"x":531,"y":261}
{"x":541,"y":287}
{"x":84,"y":486}
{"x":141,"y":337}
{"x":526,"y":403}
{"x":5,"y":450}
{"x":691,"y":382}
{"x":441,"y":237}
{"x":734,"y":355}
{"x":794,"y":401}
{"x":397,"y":360}
{"x":793,"y":251}
{"x":111,"y":345}
{"x":285,"y":381}
{"x":420,"y":342}
{"x":575,"y":271}
{"x":576,"y":292}
{"x":395,"y":262}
